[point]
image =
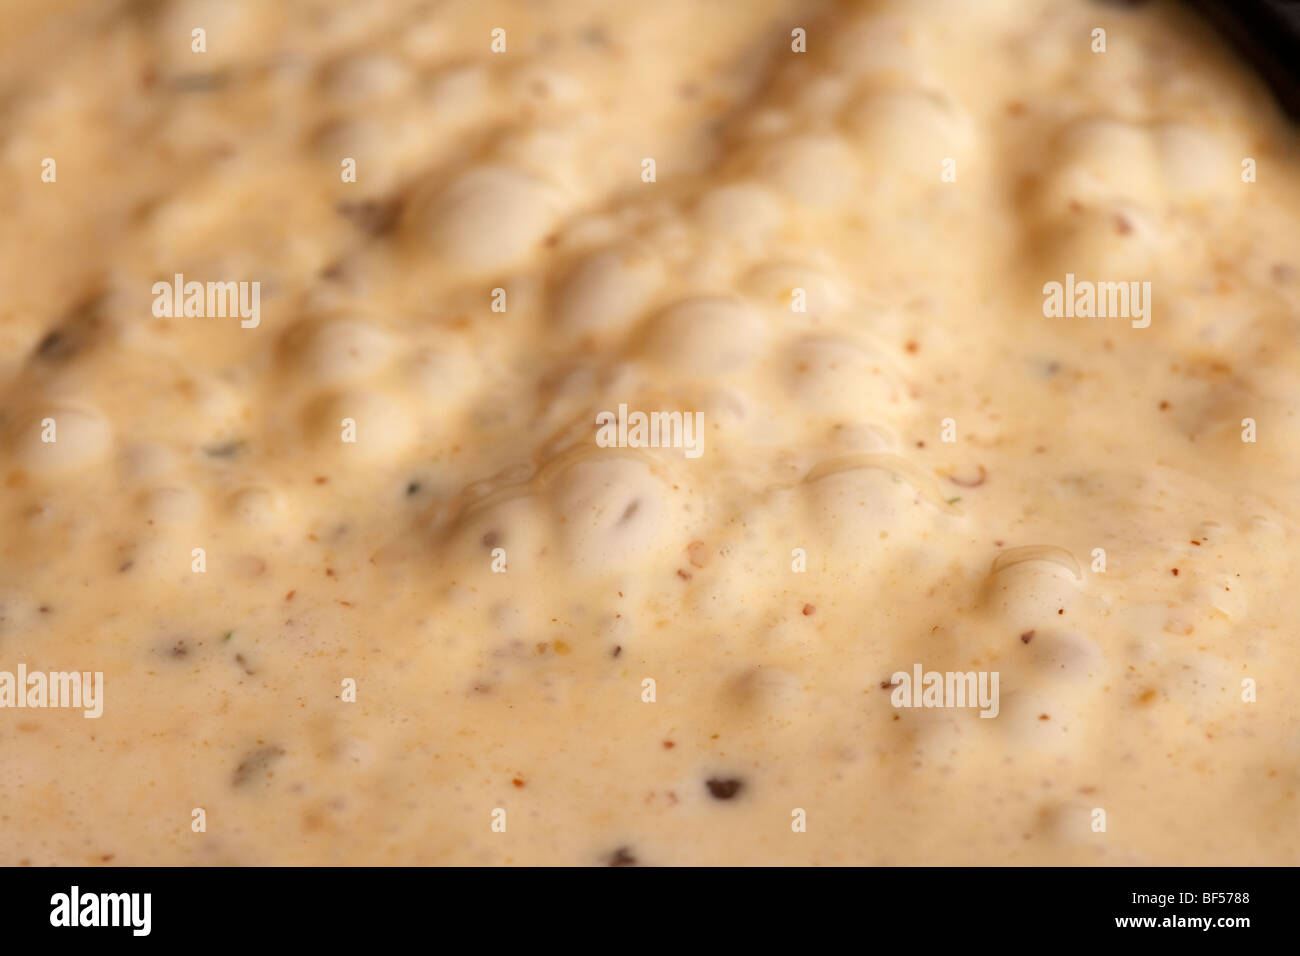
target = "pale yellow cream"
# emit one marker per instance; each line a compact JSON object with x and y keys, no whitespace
{"x":825,"y":537}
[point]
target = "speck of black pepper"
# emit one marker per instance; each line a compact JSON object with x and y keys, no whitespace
{"x":491,"y":539}
{"x":622,"y":857}
{"x":378,"y":217}
{"x":723,"y":789}
{"x":618,"y":650}
{"x":413,"y":489}
{"x":255,"y":763}
{"x":50,"y":344}
{"x":223,"y":449}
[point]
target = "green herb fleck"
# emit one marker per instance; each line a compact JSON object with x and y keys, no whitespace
{"x":953,"y":501}
{"x":227,"y":635}
{"x":224,"y":450}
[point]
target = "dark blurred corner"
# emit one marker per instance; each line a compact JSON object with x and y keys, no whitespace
{"x":1267,"y":34}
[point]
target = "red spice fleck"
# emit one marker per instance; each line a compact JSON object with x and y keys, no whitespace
{"x":1027,"y":636}
{"x":669,"y":745}
{"x":289,"y":596}
{"x":1043,"y":717}
{"x":911,"y":347}
{"x":517,"y":782}
{"x":1061,"y":611}
{"x":1197,"y":543}
{"x":684,"y":575}
{"x":321,"y":479}
{"x":1163,"y":406}
{"x":808,"y":609}
{"x":1175,"y":571}
{"x":889,"y":685}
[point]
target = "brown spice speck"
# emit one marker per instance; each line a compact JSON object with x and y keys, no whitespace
{"x":622,"y":857}
{"x":1027,"y":636}
{"x":723,"y":789}
{"x":808,"y":610}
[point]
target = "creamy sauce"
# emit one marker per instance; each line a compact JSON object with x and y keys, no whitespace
{"x":822,"y":435}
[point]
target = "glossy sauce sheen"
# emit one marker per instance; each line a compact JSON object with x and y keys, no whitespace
{"x":522,"y":690}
